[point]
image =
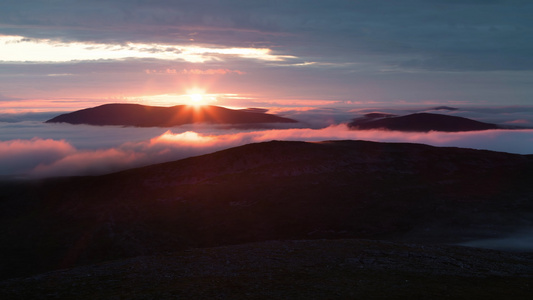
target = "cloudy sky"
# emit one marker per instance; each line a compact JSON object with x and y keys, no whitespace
{"x":66,"y":54}
{"x":322,"y":63}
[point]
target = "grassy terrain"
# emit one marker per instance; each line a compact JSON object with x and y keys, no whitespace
{"x":164,"y":230}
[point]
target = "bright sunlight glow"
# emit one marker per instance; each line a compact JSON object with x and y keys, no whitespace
{"x":22,"y":49}
{"x":198,"y":97}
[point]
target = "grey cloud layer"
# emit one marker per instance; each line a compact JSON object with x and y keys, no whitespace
{"x":416,"y":34}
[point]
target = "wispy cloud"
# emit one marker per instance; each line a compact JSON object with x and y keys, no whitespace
{"x":195,"y":71}
{"x":22,"y":49}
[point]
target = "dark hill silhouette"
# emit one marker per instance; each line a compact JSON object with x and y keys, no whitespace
{"x":421,"y":122}
{"x":266,"y":191}
{"x":153,"y":116}
{"x":443,"y":108}
{"x":372,"y":117}
{"x":378,"y":115}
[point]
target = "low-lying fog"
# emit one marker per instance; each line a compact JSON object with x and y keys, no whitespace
{"x":31,"y":148}
{"x":519,"y":241}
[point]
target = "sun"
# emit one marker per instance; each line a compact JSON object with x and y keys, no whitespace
{"x":196,"y":97}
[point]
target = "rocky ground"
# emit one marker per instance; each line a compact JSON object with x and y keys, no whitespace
{"x":304,"y":269}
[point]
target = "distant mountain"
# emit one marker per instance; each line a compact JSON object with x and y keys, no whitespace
{"x":377,"y":115}
{"x":372,"y":117}
{"x":255,"y":110}
{"x":266,"y":191}
{"x":420,"y":122}
{"x":153,"y":116}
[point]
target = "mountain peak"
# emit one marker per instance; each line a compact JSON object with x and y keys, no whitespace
{"x":127,"y":114}
{"x":421,"y":122}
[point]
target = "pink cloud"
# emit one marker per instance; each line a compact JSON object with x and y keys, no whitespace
{"x":44,"y":158}
{"x":88,"y":163}
{"x":212,"y":72}
{"x":519,"y":122}
{"x":20,"y":156}
{"x":194,"y":71}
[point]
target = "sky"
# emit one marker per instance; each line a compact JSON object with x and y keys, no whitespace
{"x":65,"y":55}
{"x":322,"y":63}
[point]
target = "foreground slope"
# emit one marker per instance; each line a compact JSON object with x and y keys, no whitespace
{"x":305,"y":269}
{"x":266,"y":191}
{"x":153,"y":116}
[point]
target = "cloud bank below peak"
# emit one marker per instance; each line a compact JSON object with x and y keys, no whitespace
{"x":39,"y":157}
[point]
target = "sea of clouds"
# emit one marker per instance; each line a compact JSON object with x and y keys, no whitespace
{"x":30,"y":148}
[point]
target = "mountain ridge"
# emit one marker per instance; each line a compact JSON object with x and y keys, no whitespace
{"x":126,"y":114}
{"x":421,"y":122}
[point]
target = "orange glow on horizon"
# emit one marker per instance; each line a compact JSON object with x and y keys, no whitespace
{"x":188,"y":137}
